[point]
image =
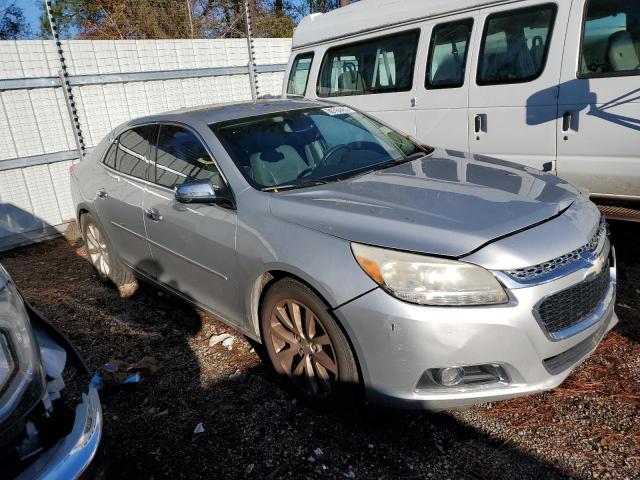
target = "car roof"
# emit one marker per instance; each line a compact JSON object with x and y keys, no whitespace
{"x":375,"y":15}
{"x":222,"y":112}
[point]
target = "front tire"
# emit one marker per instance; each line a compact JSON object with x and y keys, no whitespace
{"x":307,"y":347}
{"x":101,"y":255}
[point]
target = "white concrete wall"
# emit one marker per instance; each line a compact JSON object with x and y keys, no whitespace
{"x":35,"y":122}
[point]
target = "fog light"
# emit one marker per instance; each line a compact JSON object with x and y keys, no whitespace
{"x":450,"y":376}
{"x":464,"y":377}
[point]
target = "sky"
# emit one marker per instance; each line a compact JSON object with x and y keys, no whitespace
{"x":32,"y":9}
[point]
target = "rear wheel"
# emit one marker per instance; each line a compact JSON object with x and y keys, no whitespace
{"x":101,"y":254}
{"x":306,"y":346}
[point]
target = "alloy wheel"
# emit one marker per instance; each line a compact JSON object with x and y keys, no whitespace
{"x":303,"y":348}
{"x":98,"y":250}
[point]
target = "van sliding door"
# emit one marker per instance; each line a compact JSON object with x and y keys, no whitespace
{"x":443,"y":82}
{"x":513,"y":99}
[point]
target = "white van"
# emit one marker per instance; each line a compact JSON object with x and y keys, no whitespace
{"x":553,"y":84}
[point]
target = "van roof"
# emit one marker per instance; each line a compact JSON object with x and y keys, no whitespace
{"x":376,"y":14}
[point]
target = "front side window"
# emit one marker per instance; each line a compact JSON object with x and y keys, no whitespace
{"x":379,"y":65}
{"x":448,"y":54}
{"x":133,"y":151}
{"x":181,"y":157}
{"x":299,"y":76}
{"x":315,"y":145}
{"x":610,"y":38}
{"x":515,"y":45}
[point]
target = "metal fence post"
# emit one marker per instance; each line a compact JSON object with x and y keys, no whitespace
{"x":253,"y":73}
{"x":64,"y":82}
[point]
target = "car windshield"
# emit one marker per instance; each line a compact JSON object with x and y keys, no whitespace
{"x":298,"y":148}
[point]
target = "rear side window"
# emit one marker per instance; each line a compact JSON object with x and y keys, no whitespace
{"x":379,"y":65}
{"x":110,"y":157}
{"x":133,"y":151}
{"x":610,"y":38}
{"x":181,"y":157}
{"x":299,"y":75}
{"x":448,"y":54}
{"x":515,"y":45}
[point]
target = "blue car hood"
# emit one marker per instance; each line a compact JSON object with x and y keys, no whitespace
{"x":447,"y":203}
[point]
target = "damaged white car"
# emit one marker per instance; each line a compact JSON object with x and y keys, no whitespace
{"x":50,"y":419}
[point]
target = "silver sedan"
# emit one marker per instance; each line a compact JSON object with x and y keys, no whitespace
{"x":362,"y":260}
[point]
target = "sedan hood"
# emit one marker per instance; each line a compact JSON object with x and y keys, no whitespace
{"x":447,"y":203}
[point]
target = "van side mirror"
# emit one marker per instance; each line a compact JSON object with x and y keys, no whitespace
{"x":202,"y":191}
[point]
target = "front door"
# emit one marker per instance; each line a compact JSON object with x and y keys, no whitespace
{"x":193,"y":245}
{"x":599,"y":112}
{"x":120,"y":193}
{"x":513,"y":99}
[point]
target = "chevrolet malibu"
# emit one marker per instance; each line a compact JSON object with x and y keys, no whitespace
{"x":362,"y":260}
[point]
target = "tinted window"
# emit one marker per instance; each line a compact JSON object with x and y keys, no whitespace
{"x":299,"y":75}
{"x":611,"y":38}
{"x":515,"y":45}
{"x":448,"y":54}
{"x":133,"y":150}
{"x":110,"y":157}
{"x":374,"y":66}
{"x":182,"y":157}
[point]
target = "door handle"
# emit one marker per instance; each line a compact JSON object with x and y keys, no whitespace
{"x":102,"y":193}
{"x":153,"y":214}
{"x":566,"y":121}
{"x":478,"y":121}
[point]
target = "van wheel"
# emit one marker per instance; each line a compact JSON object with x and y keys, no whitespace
{"x":307,"y":347}
{"x":101,"y":255}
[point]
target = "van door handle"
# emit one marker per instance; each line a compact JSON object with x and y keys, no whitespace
{"x":566,"y":121}
{"x":153,"y":214}
{"x":102,"y":193}
{"x":479,"y":123}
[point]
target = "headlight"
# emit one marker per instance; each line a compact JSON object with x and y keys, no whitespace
{"x":7,"y":365}
{"x":428,"y":280}
{"x":18,"y":353}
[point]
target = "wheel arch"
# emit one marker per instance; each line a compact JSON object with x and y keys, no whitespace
{"x":269,"y":278}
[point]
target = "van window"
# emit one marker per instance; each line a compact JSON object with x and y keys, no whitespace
{"x":182,"y":157}
{"x":379,"y":65}
{"x":610,"y":38}
{"x":133,"y":151}
{"x":299,"y":75}
{"x":448,"y":54}
{"x":515,"y":45}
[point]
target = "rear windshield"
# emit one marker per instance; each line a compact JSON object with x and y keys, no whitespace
{"x":296,"y":148}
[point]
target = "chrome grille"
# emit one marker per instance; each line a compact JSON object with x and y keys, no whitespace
{"x":534,"y":272}
{"x":569,"y":307}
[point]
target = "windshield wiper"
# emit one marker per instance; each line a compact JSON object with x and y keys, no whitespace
{"x":292,"y":186}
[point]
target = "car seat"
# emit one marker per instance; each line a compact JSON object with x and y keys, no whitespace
{"x":622,"y":54}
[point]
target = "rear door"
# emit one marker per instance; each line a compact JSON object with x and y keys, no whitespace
{"x":193,"y":246}
{"x":375,"y":75}
{"x":120,"y":193}
{"x":443,"y":82}
{"x":599,"y":112}
{"x":514,"y":99}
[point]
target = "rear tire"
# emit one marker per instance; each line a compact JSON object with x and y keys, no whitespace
{"x":306,"y":346}
{"x":101,"y":254}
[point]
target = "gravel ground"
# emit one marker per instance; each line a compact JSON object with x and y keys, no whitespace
{"x":587,"y":428}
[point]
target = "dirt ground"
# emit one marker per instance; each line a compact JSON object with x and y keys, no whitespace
{"x":587,"y":428}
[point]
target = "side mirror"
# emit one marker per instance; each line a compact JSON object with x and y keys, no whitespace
{"x":201,"y":191}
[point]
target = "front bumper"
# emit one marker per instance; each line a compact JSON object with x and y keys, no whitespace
{"x":75,"y":454}
{"x":396,"y":342}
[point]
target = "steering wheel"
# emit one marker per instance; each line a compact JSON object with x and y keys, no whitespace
{"x":324,"y":160}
